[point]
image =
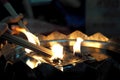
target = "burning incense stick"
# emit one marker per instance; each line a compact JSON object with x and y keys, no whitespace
{"x":58,"y":40}
{"x":92,"y":43}
{"x":40,"y":50}
{"x":112,"y":46}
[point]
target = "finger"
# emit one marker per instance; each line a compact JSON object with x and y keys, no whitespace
{"x":1,"y":46}
{"x":21,"y":16}
{"x":25,"y":22}
{"x":14,"y":31}
{"x":3,"y":28}
{"x":15,"y":19}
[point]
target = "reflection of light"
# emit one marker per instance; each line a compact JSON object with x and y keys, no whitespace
{"x":38,"y":58}
{"x":57,"y":50}
{"x":93,"y":44}
{"x":32,"y":64}
{"x":31,"y":37}
{"x":77,"y":45}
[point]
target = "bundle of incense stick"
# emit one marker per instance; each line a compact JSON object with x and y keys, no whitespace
{"x":112,"y":46}
{"x":45,"y":52}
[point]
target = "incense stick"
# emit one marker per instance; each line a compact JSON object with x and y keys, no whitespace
{"x":40,"y":50}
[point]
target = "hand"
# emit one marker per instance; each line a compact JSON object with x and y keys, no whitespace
{"x":4,"y":26}
{"x":11,"y":19}
{"x":3,"y":29}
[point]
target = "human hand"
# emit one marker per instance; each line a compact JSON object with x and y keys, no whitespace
{"x":11,"y":19}
{"x":5,"y":28}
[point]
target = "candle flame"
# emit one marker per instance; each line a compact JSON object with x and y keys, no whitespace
{"x":77,"y":45}
{"x":57,"y":50}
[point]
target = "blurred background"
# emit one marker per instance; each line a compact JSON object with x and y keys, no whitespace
{"x":97,"y":15}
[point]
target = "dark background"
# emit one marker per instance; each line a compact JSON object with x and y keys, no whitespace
{"x":101,"y":15}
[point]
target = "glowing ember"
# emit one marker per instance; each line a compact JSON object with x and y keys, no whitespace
{"x":57,"y":50}
{"x":77,"y":45}
{"x":31,"y":37}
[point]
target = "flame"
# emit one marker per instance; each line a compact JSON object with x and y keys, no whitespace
{"x":31,"y":37}
{"x":57,"y":50}
{"x":77,"y":45}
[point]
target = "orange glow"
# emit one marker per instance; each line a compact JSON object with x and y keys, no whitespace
{"x":31,"y":37}
{"x":77,"y":45}
{"x":57,"y":50}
